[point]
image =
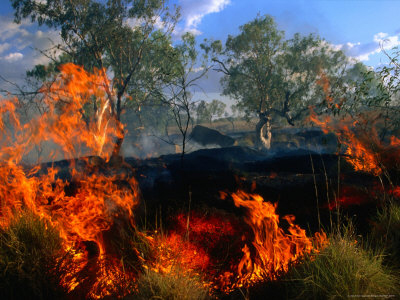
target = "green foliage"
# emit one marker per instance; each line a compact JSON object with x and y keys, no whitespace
{"x":131,"y":40}
{"x":31,"y":259}
{"x":266,"y":73}
{"x":342,"y":269}
{"x":272,"y":78}
{"x":376,"y":100}
{"x":176,"y":285}
{"x":100,"y":34}
{"x":206,"y":111}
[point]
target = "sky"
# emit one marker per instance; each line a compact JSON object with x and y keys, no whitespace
{"x":358,"y":27}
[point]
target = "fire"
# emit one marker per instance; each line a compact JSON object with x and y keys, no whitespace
{"x":360,"y":149}
{"x":175,"y":250}
{"x":260,"y":251}
{"x":350,"y":196}
{"x":197,"y":243}
{"x":84,"y":207}
{"x":67,"y":121}
{"x":269,"y":250}
{"x":87,"y":198}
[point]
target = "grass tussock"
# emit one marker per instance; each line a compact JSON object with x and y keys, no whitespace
{"x":30,"y":259}
{"x":129,"y":244}
{"x":386,"y":230}
{"x":175,"y":285}
{"x":342,"y":269}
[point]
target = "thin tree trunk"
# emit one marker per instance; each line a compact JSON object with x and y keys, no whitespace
{"x":120,"y":128}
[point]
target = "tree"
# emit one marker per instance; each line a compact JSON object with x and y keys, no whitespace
{"x":216,"y":109}
{"x":207,"y":111}
{"x":375,"y":103}
{"x":268,"y":75}
{"x":232,"y":116}
{"x":130,"y":39}
{"x":178,"y":95}
{"x":202,"y":111}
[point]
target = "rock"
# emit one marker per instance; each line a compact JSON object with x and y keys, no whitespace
{"x":207,"y":136}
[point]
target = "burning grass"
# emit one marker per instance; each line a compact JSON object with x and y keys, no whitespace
{"x":269,"y":250}
{"x":80,"y":239}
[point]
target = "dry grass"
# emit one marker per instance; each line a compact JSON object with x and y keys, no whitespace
{"x":386,"y":230}
{"x":175,"y":285}
{"x":343,"y":269}
{"x":30,"y":259}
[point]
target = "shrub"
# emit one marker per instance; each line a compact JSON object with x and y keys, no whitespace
{"x":175,"y":285}
{"x":30,"y":256}
{"x":342,"y":269}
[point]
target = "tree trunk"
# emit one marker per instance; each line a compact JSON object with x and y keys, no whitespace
{"x":120,"y":129}
{"x":263,"y":132}
{"x":119,"y":141}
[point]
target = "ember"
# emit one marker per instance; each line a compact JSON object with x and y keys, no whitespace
{"x":350,"y":196}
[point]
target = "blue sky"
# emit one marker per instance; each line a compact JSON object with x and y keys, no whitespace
{"x":358,"y":27}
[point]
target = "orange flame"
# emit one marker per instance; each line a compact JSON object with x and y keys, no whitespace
{"x":84,"y":208}
{"x":262,"y":254}
{"x":270,"y":251}
{"x":358,"y":147}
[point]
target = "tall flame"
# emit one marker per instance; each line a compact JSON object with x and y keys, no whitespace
{"x":84,"y":207}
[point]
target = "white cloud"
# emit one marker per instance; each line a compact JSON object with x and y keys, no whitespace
{"x":364,"y":51}
{"x":9,"y":29}
{"x":379,"y":36}
{"x":13,"y":57}
{"x":352,"y":45}
{"x":385,"y":41}
{"x":381,"y":41}
{"x":193,"y":11}
{"x":4,"y":47}
{"x":19,"y":44}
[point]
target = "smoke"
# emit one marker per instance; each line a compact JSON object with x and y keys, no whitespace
{"x":146,"y":146}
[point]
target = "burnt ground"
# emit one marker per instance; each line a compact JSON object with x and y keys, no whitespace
{"x":295,"y":179}
{"x":303,"y":183}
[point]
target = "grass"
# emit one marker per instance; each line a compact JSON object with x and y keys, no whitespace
{"x":30,"y":259}
{"x":175,"y":285}
{"x":386,"y":230}
{"x":129,"y":243}
{"x":342,"y":269}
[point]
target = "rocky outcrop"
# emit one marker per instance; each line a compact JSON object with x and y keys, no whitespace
{"x":206,"y":136}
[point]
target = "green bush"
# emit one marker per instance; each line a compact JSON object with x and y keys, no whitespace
{"x":342,"y":269}
{"x":30,"y":259}
{"x":176,"y":285}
